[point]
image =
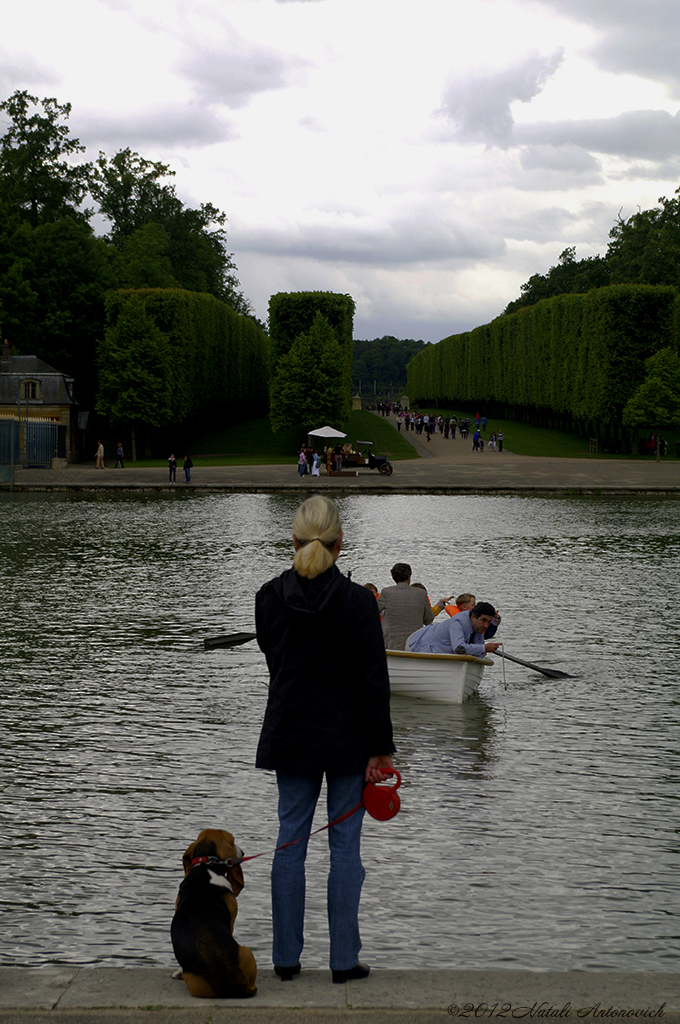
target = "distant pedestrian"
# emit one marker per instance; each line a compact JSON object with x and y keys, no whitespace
{"x":302,"y":461}
{"x":475,"y":440}
{"x":99,"y":463}
{"x":500,"y":437}
{"x":172,"y":469}
{"x":188,"y":466}
{"x":484,"y":423}
{"x":119,"y":456}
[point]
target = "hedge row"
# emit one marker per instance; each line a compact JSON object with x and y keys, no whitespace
{"x":292,"y":314}
{"x":581,"y":356}
{"x":217,"y":360}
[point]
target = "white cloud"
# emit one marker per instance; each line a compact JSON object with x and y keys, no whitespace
{"x":427,"y":160}
{"x":480,"y":106}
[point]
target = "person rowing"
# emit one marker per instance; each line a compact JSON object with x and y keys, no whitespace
{"x":461,"y":634}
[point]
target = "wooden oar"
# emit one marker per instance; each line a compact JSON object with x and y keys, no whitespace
{"x":551,"y":673}
{"x":228,"y":640}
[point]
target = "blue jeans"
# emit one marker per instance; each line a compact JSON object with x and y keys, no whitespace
{"x":298,"y":795}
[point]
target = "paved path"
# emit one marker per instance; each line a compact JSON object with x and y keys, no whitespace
{"x":445,"y":467}
{"x":151,"y":995}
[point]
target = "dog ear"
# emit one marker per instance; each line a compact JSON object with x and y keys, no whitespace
{"x":187,"y":857}
{"x":235,"y":876}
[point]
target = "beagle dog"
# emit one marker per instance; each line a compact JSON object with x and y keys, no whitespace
{"x":213,"y":964}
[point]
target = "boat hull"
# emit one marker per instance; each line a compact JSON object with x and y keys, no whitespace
{"x":446,"y":678}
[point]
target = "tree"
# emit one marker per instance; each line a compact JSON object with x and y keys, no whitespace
{"x":37,"y":175}
{"x":569,"y":277}
{"x":645,"y":249}
{"x":131,"y":195}
{"x":135,"y":372}
{"x":656,"y":403}
{"x":384,"y":360}
{"x":52,"y":284}
{"x":308,"y":383}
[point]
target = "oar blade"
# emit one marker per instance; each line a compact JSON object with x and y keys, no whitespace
{"x":551,"y":673}
{"x":227,"y":640}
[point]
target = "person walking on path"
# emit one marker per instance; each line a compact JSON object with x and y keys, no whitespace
{"x":172,"y":469}
{"x":327,"y":714}
{"x":99,"y":458}
{"x":500,"y":437}
{"x":119,"y":456}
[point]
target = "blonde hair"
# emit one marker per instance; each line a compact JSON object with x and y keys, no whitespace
{"x":317,"y":529}
{"x":464,"y":599}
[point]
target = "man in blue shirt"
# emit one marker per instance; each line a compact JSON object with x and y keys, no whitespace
{"x":462,"y":634}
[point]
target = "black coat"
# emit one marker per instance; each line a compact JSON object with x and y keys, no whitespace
{"x":329,"y":692}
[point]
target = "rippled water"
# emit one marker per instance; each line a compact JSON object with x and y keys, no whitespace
{"x":539,"y":822}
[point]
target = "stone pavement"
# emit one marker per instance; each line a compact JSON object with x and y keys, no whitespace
{"x":445,"y":467}
{"x":71,"y":994}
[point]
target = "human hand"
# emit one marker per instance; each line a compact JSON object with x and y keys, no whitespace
{"x":378,"y":768}
{"x":491,"y":646}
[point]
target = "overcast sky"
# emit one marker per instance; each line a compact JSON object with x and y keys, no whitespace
{"x":426,"y":157}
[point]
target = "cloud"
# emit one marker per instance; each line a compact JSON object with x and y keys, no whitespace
{"x":638,"y":38}
{"x":420,"y":237}
{"x":480,"y":106}
{"x":638,"y":134}
{"x":232,"y":74}
{"x":556,"y":225}
{"x":176,"y":126}
{"x":23,"y":72}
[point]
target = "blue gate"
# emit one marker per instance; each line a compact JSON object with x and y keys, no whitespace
{"x":29,"y":443}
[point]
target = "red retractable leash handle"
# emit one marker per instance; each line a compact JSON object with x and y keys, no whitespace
{"x":382,"y":802}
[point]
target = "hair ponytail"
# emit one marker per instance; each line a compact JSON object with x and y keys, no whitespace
{"x":317,"y":529}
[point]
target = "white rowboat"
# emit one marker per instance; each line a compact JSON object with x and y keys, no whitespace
{"x":447,"y":678}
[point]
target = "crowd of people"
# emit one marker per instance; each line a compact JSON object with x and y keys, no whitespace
{"x":408,"y":619}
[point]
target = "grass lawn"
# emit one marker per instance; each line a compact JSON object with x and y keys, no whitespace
{"x":526,"y":440}
{"x":252,"y":443}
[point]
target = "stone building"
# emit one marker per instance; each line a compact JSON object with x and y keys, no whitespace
{"x":37,"y":411}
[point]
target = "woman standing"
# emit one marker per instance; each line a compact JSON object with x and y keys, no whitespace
{"x":327,"y":714}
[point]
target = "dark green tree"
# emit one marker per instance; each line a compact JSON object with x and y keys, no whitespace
{"x":131,"y":194}
{"x":135,"y":373}
{"x":384,"y":361}
{"x":656,"y":403}
{"x":38,"y":176}
{"x":308,"y":386}
{"x":645,"y":249}
{"x":569,"y":277}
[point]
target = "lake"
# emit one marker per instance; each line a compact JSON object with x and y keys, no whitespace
{"x":539,"y":826}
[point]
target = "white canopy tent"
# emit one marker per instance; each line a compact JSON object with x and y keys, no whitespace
{"x":326,"y":432}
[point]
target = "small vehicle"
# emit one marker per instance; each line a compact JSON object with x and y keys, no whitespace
{"x":363,"y":456}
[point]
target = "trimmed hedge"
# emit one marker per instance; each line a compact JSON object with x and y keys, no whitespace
{"x":292,"y":314}
{"x":578,"y":356}
{"x":216,"y":359}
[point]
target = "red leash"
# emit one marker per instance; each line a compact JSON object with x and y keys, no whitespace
{"x":234,"y":861}
{"x":292,"y":842}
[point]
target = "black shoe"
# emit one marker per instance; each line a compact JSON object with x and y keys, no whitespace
{"x":287,"y":973}
{"x":353,"y":974}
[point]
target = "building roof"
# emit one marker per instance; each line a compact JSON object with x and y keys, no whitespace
{"x":54,"y":385}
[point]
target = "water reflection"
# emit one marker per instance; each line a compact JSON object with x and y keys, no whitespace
{"x":538,"y":824}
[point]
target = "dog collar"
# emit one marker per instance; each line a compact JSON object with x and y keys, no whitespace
{"x":231,"y":863}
